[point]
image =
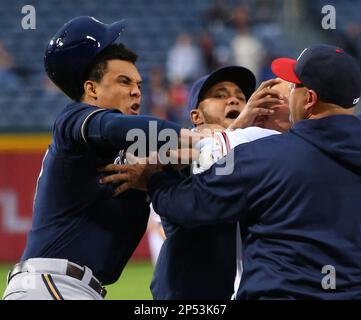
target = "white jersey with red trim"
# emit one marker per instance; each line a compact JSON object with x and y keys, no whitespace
{"x":213,"y":149}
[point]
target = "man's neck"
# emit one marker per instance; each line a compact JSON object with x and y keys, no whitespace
{"x":323,"y":110}
{"x":90,"y":102}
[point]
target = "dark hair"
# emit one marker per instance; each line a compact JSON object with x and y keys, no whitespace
{"x":98,"y":67}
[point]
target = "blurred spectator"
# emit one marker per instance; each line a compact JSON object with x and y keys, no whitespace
{"x":222,"y":55}
{"x":265,"y":10}
{"x":8,"y":78}
{"x":178,"y":96}
{"x":219,"y":32}
{"x":184,"y":61}
{"x":247,"y":50}
{"x":218,"y":16}
{"x":352,"y":40}
{"x":206,"y":44}
{"x":51,"y":96}
{"x":157,"y":100}
{"x":266,"y":72}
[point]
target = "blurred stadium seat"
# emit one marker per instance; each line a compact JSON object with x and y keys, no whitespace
{"x":152,"y":27}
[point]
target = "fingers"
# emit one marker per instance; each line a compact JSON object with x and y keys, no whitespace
{"x":122,"y":188}
{"x":267,"y":92}
{"x":113,"y":168}
{"x":189,"y":138}
{"x":283,"y":102}
{"x":152,"y":159}
{"x":278,"y":105}
{"x":183,"y":156}
{"x":269,"y":83}
{"x":267,"y":102}
{"x":118,"y":177}
{"x":263,"y":112}
{"x":131,"y":160}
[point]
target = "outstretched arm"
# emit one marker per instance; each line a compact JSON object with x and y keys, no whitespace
{"x":115,"y":130}
{"x":207,"y":198}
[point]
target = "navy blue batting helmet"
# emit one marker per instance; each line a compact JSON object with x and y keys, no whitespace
{"x":74,"y":47}
{"x":243,"y":77}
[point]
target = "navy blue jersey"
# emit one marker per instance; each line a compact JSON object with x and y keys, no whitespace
{"x":75,"y":217}
{"x":297,"y":197}
{"x":359,"y":116}
{"x":196,"y":263}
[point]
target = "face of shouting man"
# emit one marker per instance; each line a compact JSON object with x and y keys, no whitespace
{"x":114,"y":82}
{"x":221,"y":104}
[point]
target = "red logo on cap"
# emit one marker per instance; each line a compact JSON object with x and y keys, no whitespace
{"x":338,"y":50}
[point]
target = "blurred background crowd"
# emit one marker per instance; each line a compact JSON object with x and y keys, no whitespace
{"x":177,"y":42}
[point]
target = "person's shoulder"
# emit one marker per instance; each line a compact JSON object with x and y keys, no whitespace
{"x":265,"y":154}
{"x":73,"y":108}
{"x":76,"y":110}
{"x":79,"y":107}
{"x":254,"y":133}
{"x":70,"y":121}
{"x":257,"y":131}
{"x":264,"y":141}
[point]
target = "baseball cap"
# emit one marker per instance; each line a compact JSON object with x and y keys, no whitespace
{"x":328,"y":70}
{"x":242,"y":77}
{"x":73,"y":48}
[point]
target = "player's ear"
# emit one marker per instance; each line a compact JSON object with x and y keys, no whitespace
{"x":196,"y":116}
{"x":90,"y":89}
{"x":312,"y":99}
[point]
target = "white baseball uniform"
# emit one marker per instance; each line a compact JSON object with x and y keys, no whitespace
{"x":213,"y":149}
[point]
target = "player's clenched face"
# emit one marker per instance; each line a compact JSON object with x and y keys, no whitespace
{"x":221,"y":105}
{"x":119,"y":88}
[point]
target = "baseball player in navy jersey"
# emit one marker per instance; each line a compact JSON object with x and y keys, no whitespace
{"x":295,"y":195}
{"x":81,"y":237}
{"x":201,"y":263}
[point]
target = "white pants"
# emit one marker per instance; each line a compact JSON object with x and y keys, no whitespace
{"x":46,"y":279}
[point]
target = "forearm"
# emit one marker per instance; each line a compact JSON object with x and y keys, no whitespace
{"x":198,"y":200}
{"x":188,"y":139}
{"x":120,"y":131}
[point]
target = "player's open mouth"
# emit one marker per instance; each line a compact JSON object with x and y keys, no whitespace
{"x":232,"y":114}
{"x":134,"y":108}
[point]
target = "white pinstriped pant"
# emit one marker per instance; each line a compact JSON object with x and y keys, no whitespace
{"x":47,"y":280}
